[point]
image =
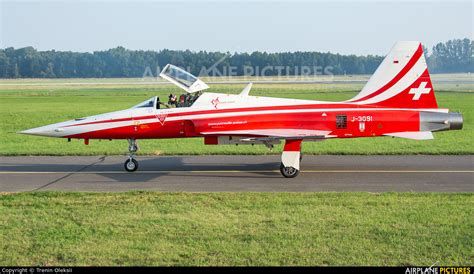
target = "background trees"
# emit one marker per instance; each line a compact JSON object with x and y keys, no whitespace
{"x":451,"y":56}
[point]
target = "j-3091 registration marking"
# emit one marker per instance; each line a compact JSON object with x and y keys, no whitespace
{"x":367,"y":118}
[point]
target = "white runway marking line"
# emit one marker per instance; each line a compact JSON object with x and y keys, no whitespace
{"x":234,"y":171}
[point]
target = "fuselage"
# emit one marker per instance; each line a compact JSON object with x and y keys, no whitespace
{"x":214,"y":112}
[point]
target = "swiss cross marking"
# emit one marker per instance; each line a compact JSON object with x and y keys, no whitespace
{"x":422,"y":89}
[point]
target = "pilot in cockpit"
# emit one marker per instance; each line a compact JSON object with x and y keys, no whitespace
{"x":195,"y":97}
{"x":173,"y":100}
{"x":185,"y":100}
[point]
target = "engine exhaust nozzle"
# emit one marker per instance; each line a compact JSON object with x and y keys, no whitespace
{"x":437,"y":121}
{"x":455,"y":120}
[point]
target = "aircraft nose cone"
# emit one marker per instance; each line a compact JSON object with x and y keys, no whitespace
{"x":31,"y":131}
{"x":48,"y":131}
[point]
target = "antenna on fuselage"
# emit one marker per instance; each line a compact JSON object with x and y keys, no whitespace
{"x":245,"y":92}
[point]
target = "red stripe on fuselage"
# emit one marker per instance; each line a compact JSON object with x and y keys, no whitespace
{"x":233,"y":110}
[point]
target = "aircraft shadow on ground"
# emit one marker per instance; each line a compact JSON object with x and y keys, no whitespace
{"x":159,"y":166}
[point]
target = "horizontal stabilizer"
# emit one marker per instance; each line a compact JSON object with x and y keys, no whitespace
{"x":414,"y":135}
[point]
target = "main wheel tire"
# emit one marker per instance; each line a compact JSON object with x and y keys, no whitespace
{"x":289,"y":172}
{"x":131,"y":165}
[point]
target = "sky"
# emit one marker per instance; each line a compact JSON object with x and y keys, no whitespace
{"x":346,"y":27}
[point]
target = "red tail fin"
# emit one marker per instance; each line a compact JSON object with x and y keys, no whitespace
{"x":401,"y":81}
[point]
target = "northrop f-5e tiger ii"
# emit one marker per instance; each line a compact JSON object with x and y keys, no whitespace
{"x":398,"y":101}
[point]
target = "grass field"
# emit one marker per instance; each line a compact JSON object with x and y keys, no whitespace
{"x":144,"y":228}
{"x":36,"y":104}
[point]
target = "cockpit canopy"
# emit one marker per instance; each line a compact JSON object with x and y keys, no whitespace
{"x":182,"y":79}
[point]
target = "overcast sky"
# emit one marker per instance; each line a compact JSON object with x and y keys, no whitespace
{"x":358,"y":27}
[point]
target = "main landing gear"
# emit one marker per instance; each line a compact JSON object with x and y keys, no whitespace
{"x":290,"y":158}
{"x":131,"y":164}
{"x":288,"y":172}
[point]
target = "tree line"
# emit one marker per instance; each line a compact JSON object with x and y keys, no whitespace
{"x":449,"y":57}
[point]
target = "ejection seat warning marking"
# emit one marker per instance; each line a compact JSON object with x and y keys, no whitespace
{"x":161,"y":117}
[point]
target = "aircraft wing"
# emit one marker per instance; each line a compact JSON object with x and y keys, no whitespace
{"x":273,"y":134}
{"x":414,"y":135}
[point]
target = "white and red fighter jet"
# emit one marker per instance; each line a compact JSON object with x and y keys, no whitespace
{"x":397,"y":101}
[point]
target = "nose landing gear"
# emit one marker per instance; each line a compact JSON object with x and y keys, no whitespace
{"x":131,"y":164}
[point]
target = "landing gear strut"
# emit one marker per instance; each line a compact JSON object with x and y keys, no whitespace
{"x":131,"y":164}
{"x":290,"y":158}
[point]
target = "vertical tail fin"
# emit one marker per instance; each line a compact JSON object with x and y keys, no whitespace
{"x":402,"y":80}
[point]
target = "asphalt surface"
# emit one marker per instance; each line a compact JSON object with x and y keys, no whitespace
{"x":238,"y":173}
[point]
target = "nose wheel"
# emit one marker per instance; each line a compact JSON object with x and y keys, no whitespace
{"x":131,"y":164}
